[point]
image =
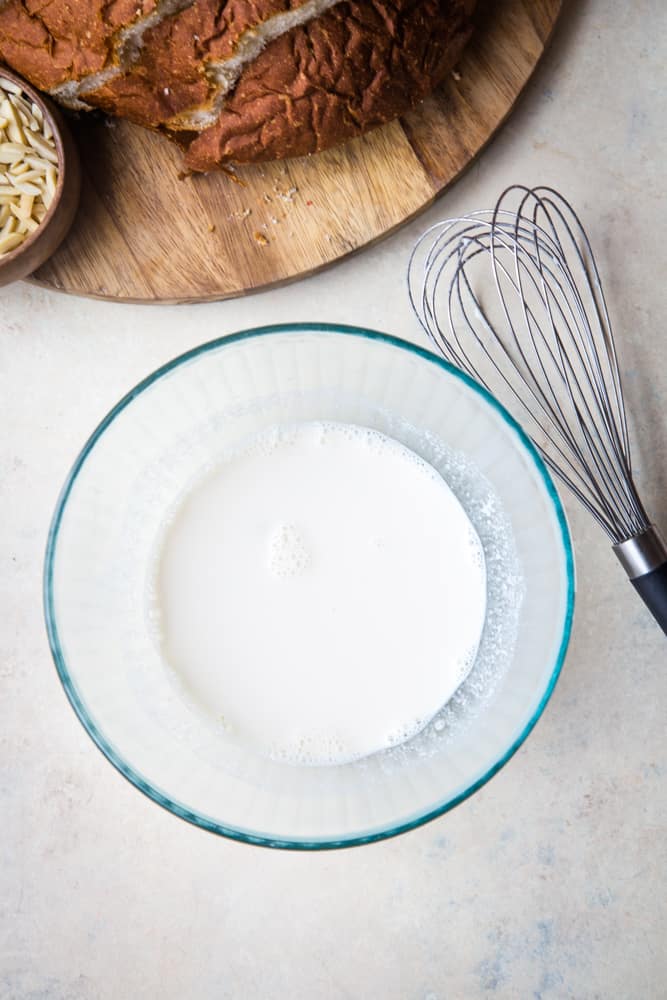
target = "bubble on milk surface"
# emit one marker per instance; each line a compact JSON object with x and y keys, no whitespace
{"x":494,"y":545}
{"x":288,"y":556}
{"x":310,"y":750}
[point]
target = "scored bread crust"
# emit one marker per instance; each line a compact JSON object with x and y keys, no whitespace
{"x":359,"y":66}
{"x":54,"y":42}
{"x":238,"y":80}
{"x":150,"y":61}
{"x":191,"y":56}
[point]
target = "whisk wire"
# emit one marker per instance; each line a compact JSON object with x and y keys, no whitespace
{"x":556,"y":415}
{"x":552,"y":346}
{"x":588,"y":266}
{"x":603,"y":450}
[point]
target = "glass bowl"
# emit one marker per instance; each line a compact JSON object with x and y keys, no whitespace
{"x":175,"y":423}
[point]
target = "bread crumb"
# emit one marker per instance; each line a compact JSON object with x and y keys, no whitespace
{"x":261,"y":239}
{"x":287,"y":195}
{"x":456,"y":75}
{"x":242,"y":214}
{"x":211,"y":227}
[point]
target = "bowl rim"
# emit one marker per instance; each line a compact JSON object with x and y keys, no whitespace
{"x":116,"y":758}
{"x":41,"y":102}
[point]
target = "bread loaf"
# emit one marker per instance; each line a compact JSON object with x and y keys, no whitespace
{"x":242,"y":80}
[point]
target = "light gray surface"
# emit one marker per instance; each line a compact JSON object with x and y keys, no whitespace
{"x":551,"y":881}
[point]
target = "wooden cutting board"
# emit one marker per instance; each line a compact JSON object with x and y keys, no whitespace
{"x":146,"y":234}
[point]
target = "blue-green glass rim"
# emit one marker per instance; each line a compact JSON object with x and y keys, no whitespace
{"x":116,"y":758}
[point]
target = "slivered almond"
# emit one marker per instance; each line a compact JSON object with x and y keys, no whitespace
{"x":14,"y":127}
{"x":28,"y":167}
{"x":11,"y":152}
{"x":30,"y":189}
{"x":45,"y":149}
{"x":10,"y":242}
{"x":25,"y":176}
{"x":8,"y":227}
{"x":26,"y":203}
{"x":27,"y":226}
{"x":10,"y":88}
{"x":34,"y":162}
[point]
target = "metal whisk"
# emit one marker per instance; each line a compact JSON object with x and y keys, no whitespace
{"x":545,"y":338}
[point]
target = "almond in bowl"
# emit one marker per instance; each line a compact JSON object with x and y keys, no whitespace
{"x":39,"y":179}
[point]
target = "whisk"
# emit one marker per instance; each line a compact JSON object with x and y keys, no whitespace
{"x":545,"y":339}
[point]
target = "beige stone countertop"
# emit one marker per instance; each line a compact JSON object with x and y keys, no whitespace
{"x":548,"y":883}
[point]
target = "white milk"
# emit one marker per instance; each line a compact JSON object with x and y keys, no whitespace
{"x":321,"y":592}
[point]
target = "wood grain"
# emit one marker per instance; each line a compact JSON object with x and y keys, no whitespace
{"x":144,"y":234}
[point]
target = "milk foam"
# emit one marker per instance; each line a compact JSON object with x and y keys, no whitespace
{"x":322,"y":591}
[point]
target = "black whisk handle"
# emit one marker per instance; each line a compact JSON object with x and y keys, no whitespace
{"x":652,"y":588}
{"x":644,"y":558}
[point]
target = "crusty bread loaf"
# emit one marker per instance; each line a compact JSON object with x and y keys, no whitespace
{"x":241,"y":80}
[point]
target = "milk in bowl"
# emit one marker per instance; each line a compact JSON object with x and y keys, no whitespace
{"x":321,"y":592}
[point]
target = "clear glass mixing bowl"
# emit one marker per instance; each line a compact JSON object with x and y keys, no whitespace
{"x":103,"y":534}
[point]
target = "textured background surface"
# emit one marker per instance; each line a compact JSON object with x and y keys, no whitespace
{"x":551,"y":881}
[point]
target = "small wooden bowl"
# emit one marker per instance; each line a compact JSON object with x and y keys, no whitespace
{"x":46,"y":239}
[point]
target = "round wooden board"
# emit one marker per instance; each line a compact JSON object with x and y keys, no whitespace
{"x":144,"y":234}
